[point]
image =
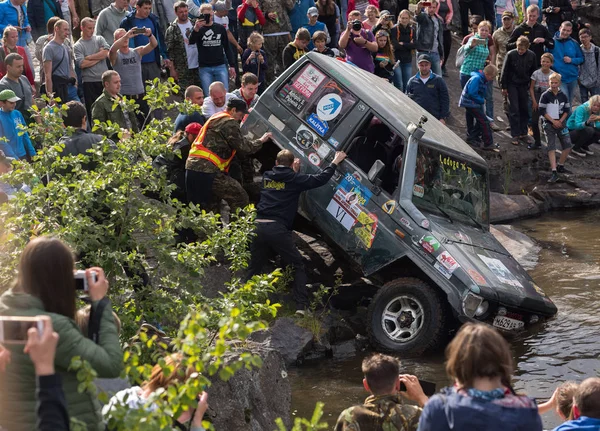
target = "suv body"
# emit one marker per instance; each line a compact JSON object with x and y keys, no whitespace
{"x":409,"y":206}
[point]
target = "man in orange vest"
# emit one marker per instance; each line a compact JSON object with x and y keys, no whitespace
{"x":207,"y":179}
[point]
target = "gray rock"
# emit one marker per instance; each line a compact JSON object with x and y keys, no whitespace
{"x":344,"y":350}
{"x":289,"y":339}
{"x":504,"y":208}
{"x":252,"y":400}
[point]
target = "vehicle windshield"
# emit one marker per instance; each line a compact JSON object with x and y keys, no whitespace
{"x":455,"y":188}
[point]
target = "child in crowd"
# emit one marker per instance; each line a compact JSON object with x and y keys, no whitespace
{"x":320,"y":42}
{"x":297,"y":48}
{"x":540,"y":82}
{"x":561,"y":401}
{"x":314,"y":25}
{"x":586,"y":407}
{"x":384,"y":57}
{"x":254,"y":59}
{"x":16,"y":143}
{"x":554,"y":108}
{"x":472,"y":99}
{"x":589,"y":70}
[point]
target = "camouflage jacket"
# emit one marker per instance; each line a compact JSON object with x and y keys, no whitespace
{"x":176,"y":47}
{"x":282,"y":7}
{"x":380,"y":413}
{"x":222,"y":137}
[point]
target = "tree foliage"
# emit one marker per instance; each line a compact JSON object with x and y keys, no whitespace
{"x":115,"y":211}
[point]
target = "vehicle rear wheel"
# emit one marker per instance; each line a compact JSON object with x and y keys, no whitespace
{"x":406,"y":316}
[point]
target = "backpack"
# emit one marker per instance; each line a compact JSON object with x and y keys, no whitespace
{"x":460,"y":56}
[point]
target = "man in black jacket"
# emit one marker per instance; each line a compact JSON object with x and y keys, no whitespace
{"x":538,"y":35}
{"x":430,"y":35}
{"x":275,"y":215}
{"x":556,"y":11}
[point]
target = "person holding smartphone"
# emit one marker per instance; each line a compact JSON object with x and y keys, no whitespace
{"x":214,"y":51}
{"x":45,"y":285}
{"x":429,"y":38}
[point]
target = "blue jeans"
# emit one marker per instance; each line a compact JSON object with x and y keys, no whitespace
{"x":569,"y":89}
{"x":498,"y":20}
{"x":73,"y":94}
{"x":435,"y":61}
{"x":208,"y":75}
{"x":585,"y":93}
{"x":401,"y":75}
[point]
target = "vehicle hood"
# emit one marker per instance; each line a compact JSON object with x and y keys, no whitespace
{"x":490,"y":266}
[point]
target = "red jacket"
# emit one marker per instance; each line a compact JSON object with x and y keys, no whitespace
{"x":27,"y":70}
{"x":241,"y":13}
{"x":352,"y":4}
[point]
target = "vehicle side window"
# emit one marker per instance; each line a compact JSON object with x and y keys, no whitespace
{"x":316,"y":99}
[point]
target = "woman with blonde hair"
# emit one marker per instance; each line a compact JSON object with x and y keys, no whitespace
{"x":480,"y":363}
{"x":372,"y":14}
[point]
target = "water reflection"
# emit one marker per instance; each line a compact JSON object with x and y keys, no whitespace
{"x":566,"y":348}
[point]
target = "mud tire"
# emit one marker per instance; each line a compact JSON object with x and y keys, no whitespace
{"x":431,"y":332}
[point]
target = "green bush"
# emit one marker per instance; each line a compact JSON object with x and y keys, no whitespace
{"x":119,"y":216}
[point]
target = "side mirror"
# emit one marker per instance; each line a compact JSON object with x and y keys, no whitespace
{"x":376,"y":171}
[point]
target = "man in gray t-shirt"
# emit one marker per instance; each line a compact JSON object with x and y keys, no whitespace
{"x":15,"y":80}
{"x":91,"y":53}
{"x":57,"y":63}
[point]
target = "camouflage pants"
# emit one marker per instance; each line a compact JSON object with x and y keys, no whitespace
{"x":226,"y":188}
{"x":273,"y":47}
{"x":188,"y":77}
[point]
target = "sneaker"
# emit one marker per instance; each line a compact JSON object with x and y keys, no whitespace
{"x":445,"y":73}
{"x":554,"y":178}
{"x":579,"y":152}
{"x":495,"y":127}
{"x":587,"y":151}
{"x":303,"y":312}
{"x":562,"y":170}
{"x":534,"y":146}
{"x":474,"y":143}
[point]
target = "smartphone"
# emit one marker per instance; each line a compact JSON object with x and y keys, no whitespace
{"x":81,"y":282}
{"x":139,"y":30}
{"x":205,"y":17}
{"x":428,"y":387}
{"x":13,"y":329}
{"x":479,"y":41}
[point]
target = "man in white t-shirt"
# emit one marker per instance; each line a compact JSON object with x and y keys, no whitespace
{"x":183,"y":54}
{"x":221,"y":9}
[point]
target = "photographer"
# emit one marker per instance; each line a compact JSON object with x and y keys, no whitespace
{"x":385,"y":408}
{"x":51,"y":404}
{"x":358,"y":43}
{"x":46,"y":286}
{"x":554,"y":11}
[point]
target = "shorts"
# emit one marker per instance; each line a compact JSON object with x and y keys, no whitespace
{"x":551,"y":135}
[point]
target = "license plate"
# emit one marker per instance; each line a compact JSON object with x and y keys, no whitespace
{"x":507,"y":323}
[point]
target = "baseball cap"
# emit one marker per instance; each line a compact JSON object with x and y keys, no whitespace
{"x":4,"y":159}
{"x":312,"y":11}
{"x":238,"y":104}
{"x":384,"y":13}
{"x":508,"y":14}
{"x":193,"y":128}
{"x":220,"y":6}
{"x":424,"y":57}
{"x":8,"y":96}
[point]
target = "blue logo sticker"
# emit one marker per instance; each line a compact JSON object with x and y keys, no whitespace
{"x":318,"y":126}
{"x":333,"y":142}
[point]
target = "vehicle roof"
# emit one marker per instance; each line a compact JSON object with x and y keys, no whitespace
{"x":387,"y":101}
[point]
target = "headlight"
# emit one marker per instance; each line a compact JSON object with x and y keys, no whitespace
{"x":482,"y":309}
{"x":470,"y":303}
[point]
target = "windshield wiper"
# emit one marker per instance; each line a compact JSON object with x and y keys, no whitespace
{"x":452,"y":241}
{"x":443,"y":212}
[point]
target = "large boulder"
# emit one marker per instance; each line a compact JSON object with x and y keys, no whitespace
{"x":289,"y":339}
{"x":252,"y":399}
{"x":504,"y":208}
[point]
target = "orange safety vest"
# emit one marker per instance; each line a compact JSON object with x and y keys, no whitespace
{"x":199,"y":151}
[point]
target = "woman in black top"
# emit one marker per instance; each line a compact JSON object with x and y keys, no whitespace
{"x":403,"y":41}
{"x":445,"y":12}
{"x":384,"y":57}
{"x":328,"y":15}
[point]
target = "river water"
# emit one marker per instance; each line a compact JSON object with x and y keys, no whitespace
{"x":564,"y":348}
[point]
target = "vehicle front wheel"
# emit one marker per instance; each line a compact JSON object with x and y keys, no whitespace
{"x":406,"y":316}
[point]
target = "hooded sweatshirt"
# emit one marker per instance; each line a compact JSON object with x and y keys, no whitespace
{"x":15,"y":146}
{"x":584,"y":423}
{"x":108,"y":21}
{"x":281,"y":190}
{"x":570,"y":48}
{"x":589,"y":70}
{"x":450,"y":410}
{"x":473,"y":94}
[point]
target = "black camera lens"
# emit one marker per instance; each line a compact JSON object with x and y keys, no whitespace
{"x":356,"y":25}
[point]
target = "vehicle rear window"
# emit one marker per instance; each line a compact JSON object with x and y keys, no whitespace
{"x":316,"y":99}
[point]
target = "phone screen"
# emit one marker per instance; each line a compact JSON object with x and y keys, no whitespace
{"x":15,"y":331}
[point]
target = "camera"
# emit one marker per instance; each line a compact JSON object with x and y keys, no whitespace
{"x":356,"y":25}
{"x":13,"y":329}
{"x":81,"y":282}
